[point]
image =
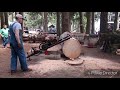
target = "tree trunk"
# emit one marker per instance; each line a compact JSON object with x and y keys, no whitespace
{"x":12,"y":16}
{"x":73,"y":25}
{"x":58,"y":23}
{"x":88,"y":27}
{"x":116,"y":21}
{"x":42,"y":18}
{"x":65,"y":22}
{"x":45,"y":22}
{"x":2,"y":19}
{"x":70,"y":23}
{"x":81,"y":22}
{"x":6,"y":19}
{"x":16,"y":13}
{"x":93,"y":28}
{"x":21,"y":13}
{"x":103,"y":22}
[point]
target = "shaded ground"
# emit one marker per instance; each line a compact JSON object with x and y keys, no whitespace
{"x":46,"y":68}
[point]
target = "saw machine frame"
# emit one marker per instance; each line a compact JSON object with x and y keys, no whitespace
{"x":35,"y":51}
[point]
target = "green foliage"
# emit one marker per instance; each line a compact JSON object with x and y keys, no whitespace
{"x":35,"y":19}
{"x":76,"y":19}
{"x":52,"y":18}
{"x":84,"y":22}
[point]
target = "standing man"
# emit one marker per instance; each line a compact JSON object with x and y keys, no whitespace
{"x":52,"y":29}
{"x":4,"y":34}
{"x":16,"y":43}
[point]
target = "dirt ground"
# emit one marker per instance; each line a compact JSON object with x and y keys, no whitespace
{"x":47,"y":68}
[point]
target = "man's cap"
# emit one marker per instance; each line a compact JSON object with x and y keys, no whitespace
{"x":20,"y":16}
{"x":51,"y":26}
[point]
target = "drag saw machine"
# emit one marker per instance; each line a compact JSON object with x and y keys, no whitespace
{"x":42,"y":49}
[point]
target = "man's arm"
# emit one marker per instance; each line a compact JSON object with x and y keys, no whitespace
{"x":8,"y":34}
{"x":16,"y":31}
{"x":17,"y":36}
{"x":1,"y":32}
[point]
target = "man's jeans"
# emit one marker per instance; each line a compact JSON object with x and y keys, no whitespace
{"x":5,"y":41}
{"x":15,"y":51}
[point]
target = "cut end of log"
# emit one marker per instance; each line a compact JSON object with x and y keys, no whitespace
{"x":72,"y":48}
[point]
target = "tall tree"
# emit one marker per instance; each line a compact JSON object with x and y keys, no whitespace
{"x":72,"y":19}
{"x":21,"y":13}
{"x":116,"y":21}
{"x":12,"y":16}
{"x":81,"y":22}
{"x":93,"y":18}
{"x":88,"y":27}
{"x":6,"y":18}
{"x":16,"y":13}
{"x":103,"y":22}
{"x":2,"y":19}
{"x":70,"y":23}
{"x":65,"y":21}
{"x":45,"y":21}
{"x":58,"y":23}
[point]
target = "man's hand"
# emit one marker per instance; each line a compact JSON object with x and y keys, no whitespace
{"x":19,"y":45}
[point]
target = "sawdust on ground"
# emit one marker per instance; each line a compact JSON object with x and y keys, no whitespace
{"x":47,"y":68}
